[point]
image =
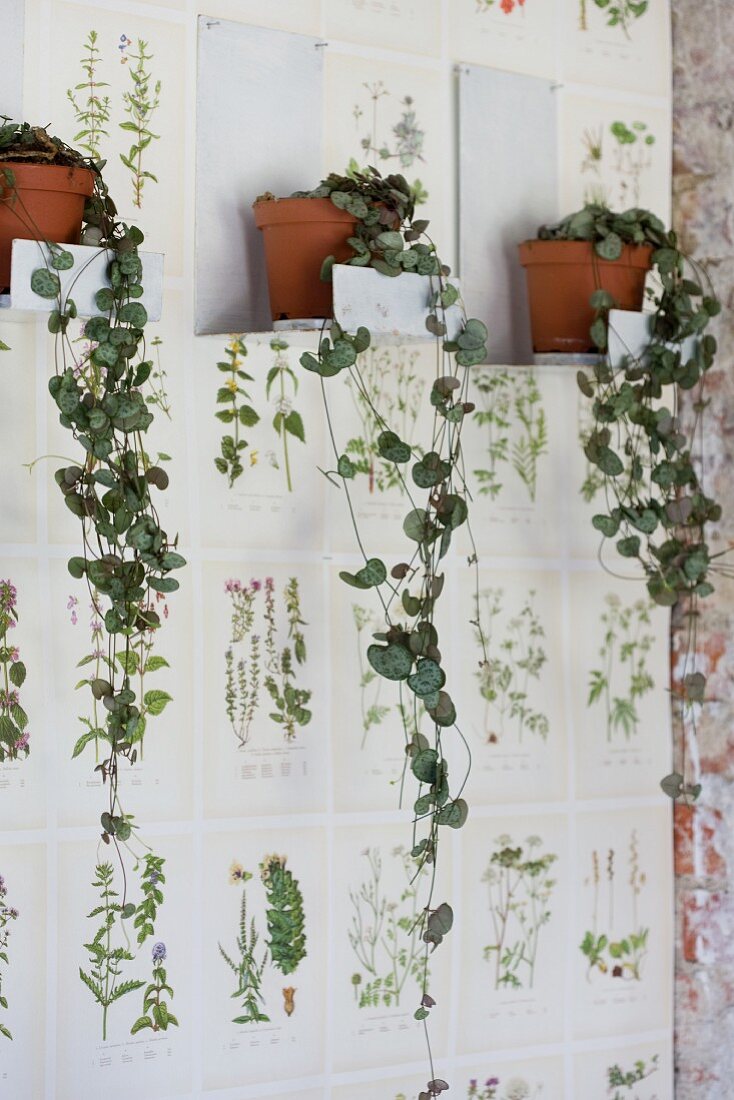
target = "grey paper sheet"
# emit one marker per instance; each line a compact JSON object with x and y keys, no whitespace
{"x":258,"y":128}
{"x":507,"y":187}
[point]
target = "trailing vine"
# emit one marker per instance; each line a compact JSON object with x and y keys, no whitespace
{"x":648,"y":452}
{"x":98,"y":387}
{"x":389,"y":238}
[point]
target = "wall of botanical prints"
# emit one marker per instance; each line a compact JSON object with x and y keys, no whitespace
{"x":268,"y":770}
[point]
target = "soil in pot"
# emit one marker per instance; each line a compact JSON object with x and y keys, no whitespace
{"x":561,"y":277}
{"x":298,"y":235}
{"x":47,"y":203}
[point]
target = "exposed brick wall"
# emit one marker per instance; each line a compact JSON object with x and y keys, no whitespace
{"x":703,"y":175}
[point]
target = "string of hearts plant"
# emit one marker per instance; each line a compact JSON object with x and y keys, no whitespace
{"x":126,"y":557}
{"x":647,"y":447}
{"x":389,"y":238}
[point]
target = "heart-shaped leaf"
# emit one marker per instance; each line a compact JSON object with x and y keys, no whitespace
{"x":393,"y":661}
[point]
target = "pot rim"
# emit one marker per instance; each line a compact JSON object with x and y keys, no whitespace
{"x":74,"y":178}
{"x":293,"y":210}
{"x":536,"y":251}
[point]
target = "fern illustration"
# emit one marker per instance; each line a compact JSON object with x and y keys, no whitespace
{"x":286,"y":921}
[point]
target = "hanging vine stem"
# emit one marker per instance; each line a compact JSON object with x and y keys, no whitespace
{"x":388,"y":237}
{"x":125,"y":554}
{"x":652,"y":464}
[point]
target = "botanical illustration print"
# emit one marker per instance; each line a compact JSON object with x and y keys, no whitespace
{"x":237,"y":411}
{"x":372,"y":710}
{"x":7,"y":915}
{"x":512,"y":662}
{"x":622,"y":1084}
{"x":91,"y":104}
{"x":385,"y":932}
{"x":111,"y":948}
{"x":510,"y":412}
{"x":140,"y":101}
{"x":514,"y":1088}
{"x":14,"y":733}
{"x":623,"y":678}
{"x":593,"y":477}
{"x":495,"y":1088}
{"x":618,"y":13}
{"x":390,"y":384}
{"x":520,"y":888}
{"x":283,"y":951}
{"x":508,"y":7}
{"x":397,"y":150}
{"x":255,"y":660}
{"x":157,"y":382}
{"x":285,"y":918}
{"x":281,"y":389}
{"x":139,"y":662}
{"x":608,"y":953}
{"x":616,"y":180}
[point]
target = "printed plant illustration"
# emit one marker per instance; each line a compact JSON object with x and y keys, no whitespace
{"x":243,"y":672}
{"x":8,"y":914}
{"x":138,"y":662}
{"x":623,"y":678}
{"x":286,"y":947}
{"x":247,"y":970}
{"x":108,"y":951}
{"x":236,"y":412}
{"x":520,"y":888}
{"x":593,"y":478}
{"x":631,"y":158}
{"x":514,"y":1088}
{"x":91,"y":104}
{"x":390,"y":385}
{"x":617,"y":181}
{"x":608,"y":953}
{"x":385,"y":933}
{"x":156,"y":1014}
{"x":510,"y":410}
{"x":141,"y":102}
{"x":157,"y":381}
{"x":287,"y":421}
{"x":403,"y":144}
{"x":622,"y":1083}
{"x":370,"y":684}
{"x":509,"y":666}
{"x":622,"y":13}
{"x":14,"y":733}
{"x":505,"y":6}
{"x":280,"y":672}
{"x":111,"y":948}
{"x":285,"y":917}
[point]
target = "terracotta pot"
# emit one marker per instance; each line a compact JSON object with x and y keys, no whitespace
{"x":562,"y":276}
{"x":49,"y":206}
{"x":298,"y":235}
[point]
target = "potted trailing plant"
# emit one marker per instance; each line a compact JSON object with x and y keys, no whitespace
{"x":125,"y":557}
{"x":648,"y":452}
{"x":590,"y":250}
{"x":44,"y":196}
{"x":297,"y":233}
{"x":406,"y":650}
